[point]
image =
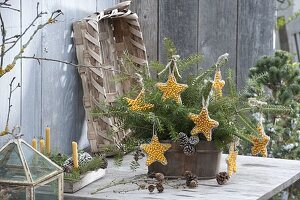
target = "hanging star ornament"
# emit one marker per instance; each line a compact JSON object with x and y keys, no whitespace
{"x":204,"y":124}
{"x":155,"y":151}
{"x":231,"y":161}
{"x":218,"y":84}
{"x":171,"y":89}
{"x":138,"y":104}
{"x":260,"y":142}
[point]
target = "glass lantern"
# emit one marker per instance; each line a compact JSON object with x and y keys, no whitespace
{"x":26,"y":174}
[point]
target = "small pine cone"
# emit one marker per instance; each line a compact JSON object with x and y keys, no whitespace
{"x":160,"y":187}
{"x":193,"y":184}
{"x":222,"y":178}
{"x":67,"y":169}
{"x":159,"y":177}
{"x":189,"y":150}
{"x":187,"y":174}
{"x":183,"y":139}
{"x":151,"y":174}
{"x":104,"y":164}
{"x":151,"y":188}
{"x":194,"y":139}
{"x":188,"y":182}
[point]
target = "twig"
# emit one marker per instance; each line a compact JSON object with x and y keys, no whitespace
{"x":70,"y":63}
{"x":3,"y":32}
{"x":11,"y":91}
{"x":39,"y":15}
{"x":51,"y":20}
{"x":10,"y":8}
{"x":5,"y":3}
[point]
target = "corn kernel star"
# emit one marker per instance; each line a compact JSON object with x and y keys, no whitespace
{"x":260,"y":143}
{"x":171,"y":89}
{"x":204,"y":124}
{"x":155,"y":151}
{"x":231,"y":162}
{"x":218,"y":83}
{"x":139,"y":103}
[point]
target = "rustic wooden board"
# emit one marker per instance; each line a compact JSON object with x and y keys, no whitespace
{"x":217,"y":28}
{"x":256,"y":21}
{"x":13,"y":27}
{"x":178,"y":21}
{"x":61,"y":104}
{"x":147,"y":10}
{"x":257,"y":178}
{"x":31,"y":77}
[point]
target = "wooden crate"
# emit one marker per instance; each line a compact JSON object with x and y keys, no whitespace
{"x":101,"y":40}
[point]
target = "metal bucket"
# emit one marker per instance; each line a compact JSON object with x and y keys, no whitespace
{"x":205,"y":162}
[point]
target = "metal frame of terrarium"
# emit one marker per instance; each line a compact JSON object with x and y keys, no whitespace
{"x":33,"y":182}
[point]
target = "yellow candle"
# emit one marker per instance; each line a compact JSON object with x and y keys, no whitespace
{"x":75,"y":154}
{"x":34,"y":143}
{"x":42,"y":146}
{"x":48,"y":141}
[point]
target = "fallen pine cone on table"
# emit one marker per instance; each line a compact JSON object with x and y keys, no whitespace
{"x":222,"y":178}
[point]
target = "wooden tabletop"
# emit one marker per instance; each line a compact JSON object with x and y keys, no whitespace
{"x":257,"y":178}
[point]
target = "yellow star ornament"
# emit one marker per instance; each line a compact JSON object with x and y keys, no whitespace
{"x":171,"y":89}
{"x":231,"y":162}
{"x":218,"y":83}
{"x":138,"y":104}
{"x":204,"y":124}
{"x":155,"y":151}
{"x":260,"y":142}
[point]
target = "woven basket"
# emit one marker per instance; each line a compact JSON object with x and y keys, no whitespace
{"x":101,"y":40}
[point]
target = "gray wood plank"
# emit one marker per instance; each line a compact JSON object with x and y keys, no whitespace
{"x":178,"y":20}
{"x":62,"y":108}
{"x":256,"y":22}
{"x":31,"y":77}
{"x":101,"y":5}
{"x":256,"y":178}
{"x":217,"y":28}
{"x":13,"y":27}
{"x":147,"y":10}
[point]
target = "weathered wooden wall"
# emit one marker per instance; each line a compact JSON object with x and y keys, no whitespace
{"x":51,"y":93}
{"x":242,"y":28}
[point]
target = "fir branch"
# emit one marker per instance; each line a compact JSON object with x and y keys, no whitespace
{"x":170,"y":48}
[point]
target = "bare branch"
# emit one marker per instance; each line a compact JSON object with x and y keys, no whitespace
{"x":51,"y":20}
{"x":10,"y":8}
{"x":39,"y":59}
{"x":3,"y":32}
{"x":39,"y":15}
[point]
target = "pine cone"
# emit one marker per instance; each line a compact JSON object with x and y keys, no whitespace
{"x":159,"y":177}
{"x":159,"y":187}
{"x":151,"y":174}
{"x":194,"y":139}
{"x":67,"y":169}
{"x":104,"y":164}
{"x":189,"y":176}
{"x":189,"y":150}
{"x":151,"y":188}
{"x":222,"y":178}
{"x":183,"y":139}
{"x":193,"y":184}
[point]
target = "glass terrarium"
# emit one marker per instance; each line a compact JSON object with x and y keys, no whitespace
{"x":27,"y":174}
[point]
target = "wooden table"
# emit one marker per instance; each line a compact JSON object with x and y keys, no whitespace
{"x":257,"y":178}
